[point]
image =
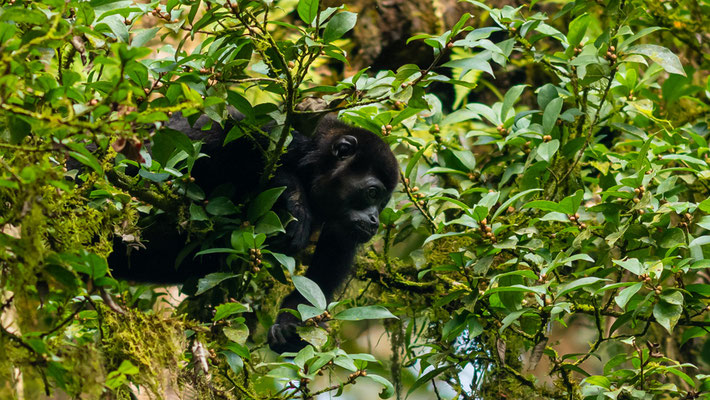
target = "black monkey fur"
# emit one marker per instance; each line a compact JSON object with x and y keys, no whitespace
{"x":337,"y":182}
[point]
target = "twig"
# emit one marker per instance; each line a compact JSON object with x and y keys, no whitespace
{"x":66,"y":320}
{"x":592,"y":124}
{"x":414,"y":201}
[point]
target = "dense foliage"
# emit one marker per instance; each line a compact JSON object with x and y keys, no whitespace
{"x":555,"y":184}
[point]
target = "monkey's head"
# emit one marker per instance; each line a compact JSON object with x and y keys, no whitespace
{"x":353,"y":175}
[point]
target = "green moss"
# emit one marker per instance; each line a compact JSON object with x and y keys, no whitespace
{"x":439,"y":252}
{"x":73,"y":224}
{"x":87,"y":373}
{"x":152,"y":343}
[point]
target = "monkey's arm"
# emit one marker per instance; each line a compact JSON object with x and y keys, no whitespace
{"x":329,"y":267}
{"x":294,"y":200}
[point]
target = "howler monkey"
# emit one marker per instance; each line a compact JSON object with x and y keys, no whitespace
{"x":337,"y":182}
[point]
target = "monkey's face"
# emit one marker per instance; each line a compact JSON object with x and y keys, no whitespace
{"x":350,"y":190}
{"x":351,"y":204}
{"x":365,"y":198}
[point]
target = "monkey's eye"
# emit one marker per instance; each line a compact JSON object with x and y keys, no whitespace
{"x":372,"y":192}
{"x":345,"y":146}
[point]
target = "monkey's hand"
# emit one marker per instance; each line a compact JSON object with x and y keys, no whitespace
{"x":295,"y":201}
{"x":283,"y":334}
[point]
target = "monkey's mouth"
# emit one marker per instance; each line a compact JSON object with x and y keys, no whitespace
{"x":363,"y":232}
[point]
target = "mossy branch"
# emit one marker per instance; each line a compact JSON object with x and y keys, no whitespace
{"x":367,"y":272}
{"x":125,"y":182}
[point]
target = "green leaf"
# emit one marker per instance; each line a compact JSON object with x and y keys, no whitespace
{"x":153,"y":176}
{"x":338,"y":25}
{"x":414,"y":159}
{"x":632,"y":264}
{"x":625,"y":295}
{"x":212,"y":280}
{"x":510,"y":98}
{"x":693,"y":332}
{"x":525,"y":273}
{"x":9,"y":184}
{"x":308,"y":312}
{"x":127,"y":368}
{"x":437,"y":236}
{"x":576,"y":257}
{"x":672,"y":237}
{"x":191,"y":94}
{"x":661,"y":55}
{"x":23,"y":15}
{"x":503,"y":207}
{"x":548,"y":149}
{"x":598,"y":380}
{"x":667,"y":314}
{"x":699,"y":288}
{"x":427,"y":377}
{"x":361,"y":313}
{"x":643,"y":32}
{"x":228,"y":309}
{"x":546,"y":94}
{"x":236,"y":364}
{"x":346,"y":363}
{"x":466,"y":158}
{"x":7,"y":31}
{"x":686,"y":158}
{"x":314,"y":335}
{"x":512,"y":317}
{"x":85,"y":157}
{"x":307,"y":10}
{"x":310,"y":291}
{"x":540,"y":289}
{"x":489,"y":199}
{"x":218,"y":250}
{"x":143,"y":36}
{"x":551,"y":113}
{"x":235,"y":133}
{"x":387,"y":389}
{"x":86,"y":263}
{"x":286,"y":261}
{"x":544,"y":205}
{"x":263,"y":202}
{"x":117,"y":26}
{"x":62,"y":275}
{"x":303,"y":356}
{"x":475,"y":63}
{"x":677,"y":372}
{"x":578,"y":283}
{"x":197,"y":213}
{"x":444,"y":170}
{"x":269,"y":224}
{"x":673,"y":297}
{"x":705,"y":204}
{"x":179,"y":140}
{"x":577,"y":29}
{"x":613,"y":286}
{"x":700,"y":241}
{"x":221,"y":206}
{"x":237,"y":332}
{"x":457,"y":27}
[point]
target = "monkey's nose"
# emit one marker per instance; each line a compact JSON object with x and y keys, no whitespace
{"x":374,"y":222}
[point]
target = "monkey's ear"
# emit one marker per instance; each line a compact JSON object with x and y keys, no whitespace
{"x":344,"y":146}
